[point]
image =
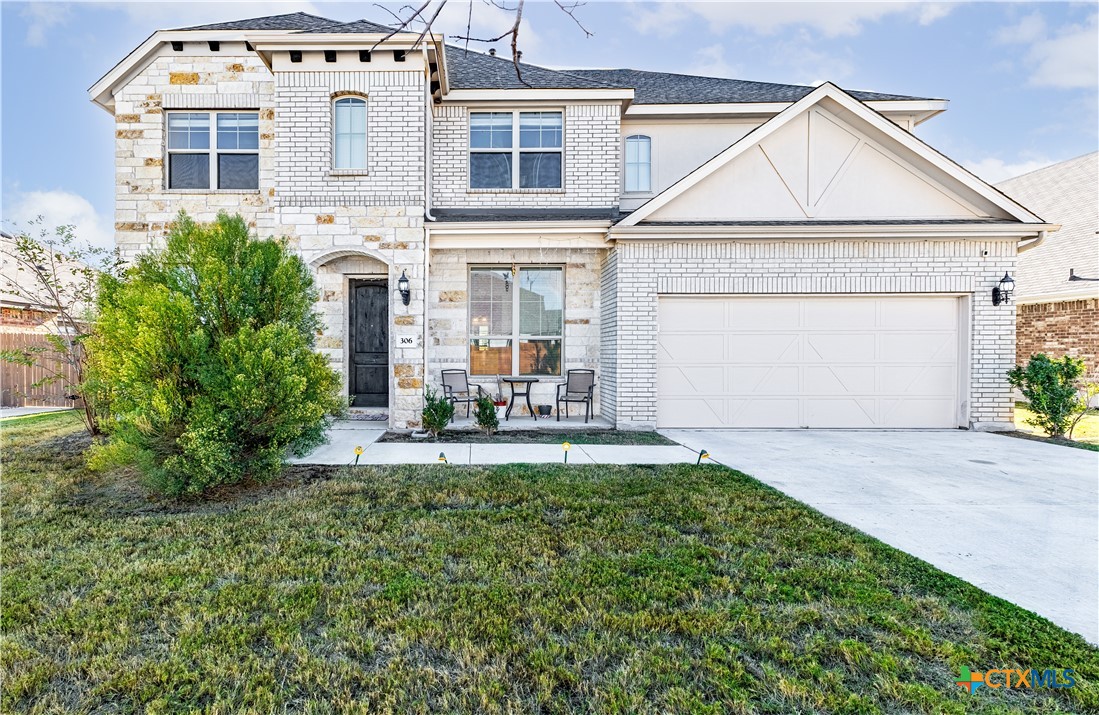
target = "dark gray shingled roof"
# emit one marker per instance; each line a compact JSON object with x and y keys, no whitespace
{"x":670,"y":88}
{"x":365,"y":26}
{"x":830,"y":222}
{"x":291,"y":21}
{"x":473,"y":70}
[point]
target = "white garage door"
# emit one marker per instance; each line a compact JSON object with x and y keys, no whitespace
{"x":842,"y":361}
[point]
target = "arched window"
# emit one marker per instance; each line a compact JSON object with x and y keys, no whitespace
{"x":349,"y":140}
{"x":638,"y":163}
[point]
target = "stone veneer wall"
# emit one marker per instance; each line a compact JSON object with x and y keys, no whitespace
{"x":591,"y":162}
{"x":448,"y":311}
{"x":647,"y":269}
{"x":230,"y":79}
{"x":1069,"y":327}
{"x":344,"y":223}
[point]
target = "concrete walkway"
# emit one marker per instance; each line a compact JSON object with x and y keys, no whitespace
{"x":1017,"y":518}
{"x":343,"y":437}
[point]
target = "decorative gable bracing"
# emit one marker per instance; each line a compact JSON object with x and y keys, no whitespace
{"x":828,"y":158}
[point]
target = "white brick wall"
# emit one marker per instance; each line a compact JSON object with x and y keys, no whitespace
{"x":646,"y":269}
{"x":591,"y":162}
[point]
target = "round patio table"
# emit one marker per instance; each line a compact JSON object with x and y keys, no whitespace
{"x":525,"y":382}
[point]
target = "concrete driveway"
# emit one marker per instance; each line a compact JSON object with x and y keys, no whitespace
{"x":1017,"y":518}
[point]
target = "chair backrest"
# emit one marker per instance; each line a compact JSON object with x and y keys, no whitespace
{"x":455,"y":381}
{"x":579,"y":380}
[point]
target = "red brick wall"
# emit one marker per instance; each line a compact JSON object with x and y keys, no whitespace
{"x":1069,"y":327}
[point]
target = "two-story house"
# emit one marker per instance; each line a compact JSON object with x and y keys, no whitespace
{"x":723,"y":253}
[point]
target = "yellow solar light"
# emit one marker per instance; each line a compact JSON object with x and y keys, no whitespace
{"x":702,"y":454}
{"x":358,"y":453}
{"x":566,"y":446}
{"x":442,"y":458}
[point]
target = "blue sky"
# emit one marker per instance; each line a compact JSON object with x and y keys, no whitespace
{"x":1021,"y":77}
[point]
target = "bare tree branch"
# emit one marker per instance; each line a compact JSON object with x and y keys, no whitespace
{"x":570,"y":10}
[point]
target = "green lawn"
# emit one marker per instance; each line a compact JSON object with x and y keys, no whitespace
{"x":513,"y":589}
{"x":1086,"y":432}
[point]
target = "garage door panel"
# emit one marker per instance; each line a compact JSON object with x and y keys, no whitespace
{"x":690,"y":379}
{"x":841,"y":347}
{"x":919,"y":347}
{"x":767,"y":413}
{"x":839,"y":314}
{"x":761,"y":314}
{"x":916,"y":412}
{"x":762,"y":379}
{"x":686,"y":314}
{"x":808,"y":361}
{"x":918,"y":313}
{"x":840,"y":380}
{"x":766,"y":348}
{"x":919,"y":379}
{"x":840,"y":412}
{"x":688,"y":348}
{"x":696,"y":412}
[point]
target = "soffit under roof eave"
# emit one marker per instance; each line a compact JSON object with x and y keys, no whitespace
{"x":980,"y":231}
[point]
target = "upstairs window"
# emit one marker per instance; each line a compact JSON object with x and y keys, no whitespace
{"x":231,"y":161}
{"x":638,"y":163}
{"x":498,"y":161}
{"x":349,"y":133}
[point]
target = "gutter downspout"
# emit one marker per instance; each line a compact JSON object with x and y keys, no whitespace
{"x":427,"y":199}
{"x":1032,"y":244}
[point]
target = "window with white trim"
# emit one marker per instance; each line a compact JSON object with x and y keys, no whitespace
{"x":231,"y":161}
{"x":516,"y":320}
{"x":638,"y":163}
{"x":349,"y":133}
{"x":497,"y":161}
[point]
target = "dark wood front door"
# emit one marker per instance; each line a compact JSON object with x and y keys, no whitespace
{"x":369,"y":379}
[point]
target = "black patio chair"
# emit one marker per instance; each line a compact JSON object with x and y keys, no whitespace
{"x":457,"y":388}
{"x":578,"y":387}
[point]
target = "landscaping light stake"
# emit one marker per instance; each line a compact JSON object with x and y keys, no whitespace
{"x":566,"y":446}
{"x":442,"y":458}
{"x":702,"y":454}
{"x":358,"y":453}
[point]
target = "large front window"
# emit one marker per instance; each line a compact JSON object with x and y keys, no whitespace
{"x":516,"y":321}
{"x":229,"y":162}
{"x":497,"y":161}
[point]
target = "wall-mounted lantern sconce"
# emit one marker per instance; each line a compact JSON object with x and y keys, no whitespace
{"x":402,"y":287}
{"x":1001,"y":293}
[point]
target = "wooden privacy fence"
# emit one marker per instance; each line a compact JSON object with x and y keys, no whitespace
{"x":16,"y":380}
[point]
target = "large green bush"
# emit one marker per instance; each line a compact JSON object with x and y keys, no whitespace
{"x":1052,"y":389}
{"x":203,"y":355}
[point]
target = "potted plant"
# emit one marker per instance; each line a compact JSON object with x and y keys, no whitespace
{"x":498,"y":397}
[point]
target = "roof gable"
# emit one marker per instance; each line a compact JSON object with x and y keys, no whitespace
{"x":829,"y":158}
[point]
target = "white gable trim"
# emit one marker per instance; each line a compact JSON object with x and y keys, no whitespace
{"x":851,"y":104}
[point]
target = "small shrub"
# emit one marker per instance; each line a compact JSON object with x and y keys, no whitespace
{"x":485,"y":412}
{"x":1051,"y":388}
{"x":204,"y":356}
{"x":438,"y":412}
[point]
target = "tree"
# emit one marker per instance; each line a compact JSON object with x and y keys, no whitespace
{"x":424,"y":17}
{"x":60,"y":275}
{"x":204,"y":352}
{"x":1052,"y":389}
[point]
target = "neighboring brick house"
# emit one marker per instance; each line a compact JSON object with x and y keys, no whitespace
{"x":721,"y":252}
{"x":1056,"y":315}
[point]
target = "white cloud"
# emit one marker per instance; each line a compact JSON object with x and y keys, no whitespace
{"x":1065,"y":58}
{"x":41,"y":17}
{"x":993,"y":169}
{"x":831,"y":19}
{"x":59,"y":208}
{"x":167,"y":15}
{"x":710,"y":62}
